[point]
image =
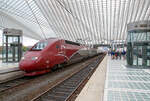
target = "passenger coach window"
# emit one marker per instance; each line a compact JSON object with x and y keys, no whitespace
{"x":40,"y":46}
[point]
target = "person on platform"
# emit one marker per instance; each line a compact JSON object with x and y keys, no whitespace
{"x":120,"y":54}
{"x":112,"y":54}
{"x":124,"y":54}
{"x":116,"y":54}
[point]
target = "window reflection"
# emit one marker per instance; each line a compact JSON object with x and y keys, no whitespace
{"x":141,"y":47}
{"x":40,"y":46}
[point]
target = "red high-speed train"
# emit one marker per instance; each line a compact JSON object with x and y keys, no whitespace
{"x":47,"y":55}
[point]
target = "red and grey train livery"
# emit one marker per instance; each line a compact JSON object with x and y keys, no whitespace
{"x":49,"y":54}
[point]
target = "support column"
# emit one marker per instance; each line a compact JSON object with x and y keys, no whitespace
{"x":129,"y":54}
{"x":144,"y":55}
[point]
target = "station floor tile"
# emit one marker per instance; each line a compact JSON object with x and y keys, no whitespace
{"x":126,"y":84}
{"x":4,"y":67}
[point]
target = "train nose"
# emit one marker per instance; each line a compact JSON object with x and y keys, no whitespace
{"x":30,"y":61}
{"x":21,"y":67}
{"x":27,"y":66}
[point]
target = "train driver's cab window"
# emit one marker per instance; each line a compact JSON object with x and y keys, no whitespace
{"x":72,"y":43}
{"x":39,"y":46}
{"x":57,"y":46}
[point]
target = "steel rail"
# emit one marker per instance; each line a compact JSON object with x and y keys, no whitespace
{"x":24,"y":85}
{"x":67,"y":89}
{"x":14,"y":83}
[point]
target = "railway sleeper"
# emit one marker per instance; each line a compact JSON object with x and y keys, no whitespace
{"x":68,"y":86}
{"x":62,"y":90}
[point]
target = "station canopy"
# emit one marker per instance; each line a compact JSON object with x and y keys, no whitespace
{"x":86,"y":21}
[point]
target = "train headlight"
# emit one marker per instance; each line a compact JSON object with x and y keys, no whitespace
{"x":23,"y":58}
{"x":34,"y":58}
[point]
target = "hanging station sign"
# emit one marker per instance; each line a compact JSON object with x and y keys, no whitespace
{"x":8,"y":31}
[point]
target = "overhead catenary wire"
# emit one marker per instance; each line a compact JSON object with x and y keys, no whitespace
{"x":83,"y":27}
{"x":11,"y":10}
{"x":121,"y":22}
{"x":76,"y":33}
{"x":118,"y":21}
{"x":114,"y":21}
{"x":99,"y":25}
{"x":52,"y":16}
{"x":80,"y":21}
{"x":92,"y":22}
{"x":47,"y":19}
{"x":64,"y":18}
{"x":20,"y":12}
{"x":42,"y":31}
{"x":59,"y":18}
{"x":99,"y":20}
{"x":126,"y":17}
{"x":85,"y":31}
{"x":95,"y":22}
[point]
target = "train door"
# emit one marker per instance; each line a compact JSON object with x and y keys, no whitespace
{"x":58,"y":48}
{"x":63,"y":50}
{"x":60,"y":52}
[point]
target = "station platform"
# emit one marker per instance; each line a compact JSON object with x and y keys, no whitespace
{"x":121,"y":83}
{"x":9,"y":71}
{"x":8,"y":67}
{"x":126,"y":84}
{"x":94,"y":89}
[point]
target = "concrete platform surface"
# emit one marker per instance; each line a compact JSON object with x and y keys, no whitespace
{"x":9,"y":71}
{"x":10,"y":76}
{"x":94,"y":89}
{"x":126,"y":84}
{"x":8,"y":67}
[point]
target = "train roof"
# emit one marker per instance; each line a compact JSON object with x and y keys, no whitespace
{"x":49,"y":39}
{"x":56,"y":39}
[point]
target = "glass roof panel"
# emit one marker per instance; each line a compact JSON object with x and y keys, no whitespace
{"x":92,"y":21}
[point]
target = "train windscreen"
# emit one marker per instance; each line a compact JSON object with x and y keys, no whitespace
{"x":39,"y":46}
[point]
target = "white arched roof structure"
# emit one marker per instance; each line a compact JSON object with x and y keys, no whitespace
{"x":91,"y":21}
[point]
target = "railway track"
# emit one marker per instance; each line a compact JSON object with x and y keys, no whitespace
{"x":14,"y":83}
{"x":69,"y":89}
{"x":60,"y":85}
